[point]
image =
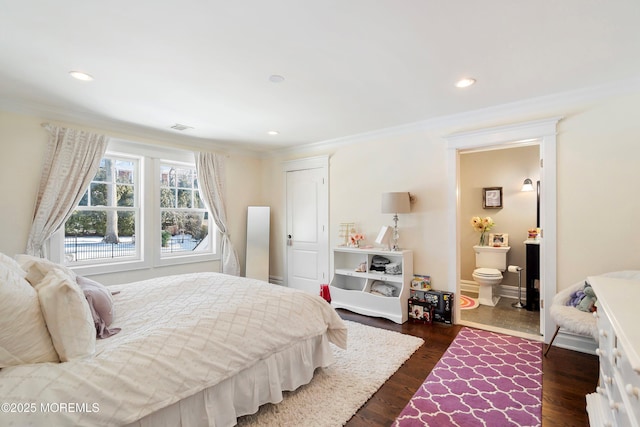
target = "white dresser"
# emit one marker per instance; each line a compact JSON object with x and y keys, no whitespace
{"x":616,"y":401}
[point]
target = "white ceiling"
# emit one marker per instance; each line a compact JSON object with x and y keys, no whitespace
{"x":350,"y":66}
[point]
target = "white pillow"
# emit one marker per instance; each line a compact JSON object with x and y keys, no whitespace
{"x":24,"y":337}
{"x":67,"y":315}
{"x":12,"y":264}
{"x":36,"y":268}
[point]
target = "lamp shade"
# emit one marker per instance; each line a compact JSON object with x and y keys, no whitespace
{"x":395,"y":203}
{"x":527,"y":185}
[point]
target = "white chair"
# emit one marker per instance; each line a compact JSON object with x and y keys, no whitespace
{"x":574,"y":320}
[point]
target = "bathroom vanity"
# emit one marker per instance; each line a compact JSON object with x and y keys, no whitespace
{"x":532,"y":273}
{"x":616,"y":401}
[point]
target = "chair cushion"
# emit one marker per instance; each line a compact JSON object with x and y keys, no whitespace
{"x":574,"y":320}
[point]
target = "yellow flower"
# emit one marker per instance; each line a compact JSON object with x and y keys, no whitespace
{"x":482,"y":224}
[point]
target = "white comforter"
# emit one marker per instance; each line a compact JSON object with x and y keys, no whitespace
{"x":180,"y":334}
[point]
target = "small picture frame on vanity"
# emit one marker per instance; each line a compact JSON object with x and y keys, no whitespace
{"x":492,"y":198}
{"x":498,"y":239}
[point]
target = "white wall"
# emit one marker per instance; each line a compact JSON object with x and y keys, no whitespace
{"x":23,"y":142}
{"x":598,"y":191}
{"x":358,"y":175}
{"x":598,"y":175}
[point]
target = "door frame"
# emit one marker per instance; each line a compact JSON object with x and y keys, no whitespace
{"x":317,"y":162}
{"x":540,"y":131}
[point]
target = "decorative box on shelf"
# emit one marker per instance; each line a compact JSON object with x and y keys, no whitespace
{"x":420,"y":311}
{"x":372,"y":282}
{"x":440,"y":302}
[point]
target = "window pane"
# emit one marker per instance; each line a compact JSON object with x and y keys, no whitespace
{"x":101,"y":175}
{"x":185,"y":178}
{"x":166,"y":172}
{"x":125,"y":195}
{"x":167,"y":198}
{"x":98,"y":195}
{"x":103,"y":232}
{"x":86,"y":223}
{"x":85,"y":199}
{"x":198,"y":200}
{"x":184,"y":232}
{"x":86,"y":236}
{"x":184,"y":198}
{"x":124,"y":171}
{"x":183,"y":228}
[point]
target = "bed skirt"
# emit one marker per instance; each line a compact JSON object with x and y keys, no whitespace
{"x":242,"y":394}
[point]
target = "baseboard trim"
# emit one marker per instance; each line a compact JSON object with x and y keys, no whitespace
{"x":276,"y":280}
{"x":469,"y":286}
{"x":507,"y":291}
{"x":571,"y":341}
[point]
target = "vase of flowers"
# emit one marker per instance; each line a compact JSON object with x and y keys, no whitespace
{"x":354,"y":239}
{"x":482,"y":225}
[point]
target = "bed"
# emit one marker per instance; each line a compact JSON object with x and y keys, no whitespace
{"x":194,"y":349}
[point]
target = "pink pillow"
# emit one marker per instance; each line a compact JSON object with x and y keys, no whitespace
{"x":101,"y":305}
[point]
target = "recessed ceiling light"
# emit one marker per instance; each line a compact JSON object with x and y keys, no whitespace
{"x":466,"y":82}
{"x":273,"y":132}
{"x":276,"y":78}
{"x":81,"y":76}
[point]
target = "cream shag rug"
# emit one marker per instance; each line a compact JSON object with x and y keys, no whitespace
{"x":337,"y":392}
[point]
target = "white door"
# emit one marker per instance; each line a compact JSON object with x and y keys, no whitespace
{"x":307,"y":228}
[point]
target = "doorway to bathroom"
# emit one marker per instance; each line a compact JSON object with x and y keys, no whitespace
{"x":543,"y":133}
{"x":505,"y":168}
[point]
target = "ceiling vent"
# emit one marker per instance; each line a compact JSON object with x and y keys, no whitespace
{"x":180,"y":127}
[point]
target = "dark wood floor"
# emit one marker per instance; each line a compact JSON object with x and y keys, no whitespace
{"x":568,"y":376}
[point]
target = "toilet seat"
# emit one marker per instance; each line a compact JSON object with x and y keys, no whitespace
{"x":487,"y":272}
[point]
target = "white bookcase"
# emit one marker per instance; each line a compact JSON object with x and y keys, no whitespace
{"x":351,"y":290}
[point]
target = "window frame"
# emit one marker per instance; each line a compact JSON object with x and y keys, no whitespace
{"x":181,"y":257}
{"x":148,"y":196}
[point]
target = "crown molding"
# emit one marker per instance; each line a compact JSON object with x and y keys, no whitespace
{"x":519,"y":110}
{"x":123,"y":131}
{"x":513,"y":110}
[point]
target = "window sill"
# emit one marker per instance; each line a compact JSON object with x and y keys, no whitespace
{"x":114,"y":267}
{"x":185,"y":259}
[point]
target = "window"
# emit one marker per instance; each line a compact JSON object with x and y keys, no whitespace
{"x":105,"y":223}
{"x":138,"y":212}
{"x":184,"y":220}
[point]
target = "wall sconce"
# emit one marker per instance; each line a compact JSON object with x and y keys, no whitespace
{"x":395,"y":203}
{"x":527,"y":185}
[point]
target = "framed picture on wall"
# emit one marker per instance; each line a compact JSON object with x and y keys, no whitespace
{"x":492,"y":198}
{"x":498,"y":239}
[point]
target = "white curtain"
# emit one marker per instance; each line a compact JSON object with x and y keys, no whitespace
{"x":211,"y":182}
{"x":72,"y":160}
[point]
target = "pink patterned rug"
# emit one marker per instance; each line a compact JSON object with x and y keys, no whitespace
{"x":483,"y":379}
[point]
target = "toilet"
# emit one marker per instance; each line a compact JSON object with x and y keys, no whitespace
{"x":491,"y":262}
